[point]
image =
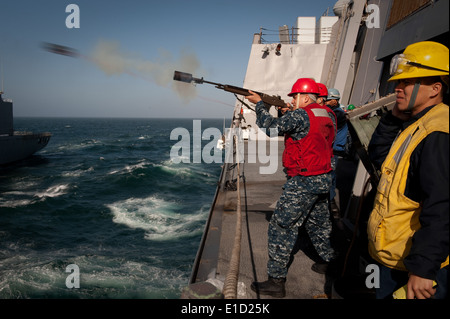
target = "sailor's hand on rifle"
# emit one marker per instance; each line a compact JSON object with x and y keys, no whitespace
{"x":253,"y":97}
{"x":285,"y":109}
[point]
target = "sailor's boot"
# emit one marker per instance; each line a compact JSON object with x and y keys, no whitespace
{"x":273,"y":287}
{"x":320,"y":267}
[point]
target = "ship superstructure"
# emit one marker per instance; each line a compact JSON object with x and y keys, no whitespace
{"x":17,"y":145}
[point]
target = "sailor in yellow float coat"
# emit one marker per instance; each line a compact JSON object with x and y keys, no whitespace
{"x":422,"y":71}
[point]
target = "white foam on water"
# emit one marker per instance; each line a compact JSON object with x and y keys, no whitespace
{"x":160,"y":219}
{"x":100,"y":277}
{"x":179,"y":170}
{"x":76,"y":147}
{"x":129,"y":168}
{"x":120,"y":278}
{"x":15,"y":203}
{"x":77,"y":172}
{"x":54,"y":191}
{"x":30,"y":197}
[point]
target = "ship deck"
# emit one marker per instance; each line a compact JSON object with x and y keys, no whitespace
{"x":259,"y":194}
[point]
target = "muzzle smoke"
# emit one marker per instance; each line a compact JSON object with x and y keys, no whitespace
{"x":112,"y":60}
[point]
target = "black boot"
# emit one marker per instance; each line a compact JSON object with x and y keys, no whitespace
{"x":320,"y":267}
{"x":273,"y":287}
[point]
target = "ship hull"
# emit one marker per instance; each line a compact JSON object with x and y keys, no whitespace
{"x":19,"y":146}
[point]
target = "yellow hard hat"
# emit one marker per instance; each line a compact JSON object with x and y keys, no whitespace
{"x":421,"y":59}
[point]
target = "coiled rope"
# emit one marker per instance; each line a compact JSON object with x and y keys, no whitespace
{"x":231,"y":281}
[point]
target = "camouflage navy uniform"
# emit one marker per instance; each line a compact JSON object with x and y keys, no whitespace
{"x":303,"y":202}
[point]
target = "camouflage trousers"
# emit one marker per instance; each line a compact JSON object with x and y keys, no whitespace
{"x":304,"y":201}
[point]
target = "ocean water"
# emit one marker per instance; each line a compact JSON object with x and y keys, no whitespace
{"x":105,"y":196}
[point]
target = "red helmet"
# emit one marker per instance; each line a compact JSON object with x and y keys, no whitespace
{"x":304,"y":85}
{"x":322,"y":90}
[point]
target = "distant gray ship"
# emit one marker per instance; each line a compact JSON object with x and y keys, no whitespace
{"x":16,"y":145}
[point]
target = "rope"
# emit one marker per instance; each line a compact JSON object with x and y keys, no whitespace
{"x":231,"y":281}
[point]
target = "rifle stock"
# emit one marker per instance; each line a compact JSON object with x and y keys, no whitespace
{"x":267,"y":99}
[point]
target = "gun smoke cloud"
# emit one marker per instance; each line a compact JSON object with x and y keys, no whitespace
{"x":113,"y":60}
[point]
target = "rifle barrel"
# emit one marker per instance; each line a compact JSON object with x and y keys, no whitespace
{"x":188,"y":78}
{"x":183,"y":77}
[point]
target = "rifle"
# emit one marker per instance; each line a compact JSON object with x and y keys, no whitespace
{"x":267,"y":99}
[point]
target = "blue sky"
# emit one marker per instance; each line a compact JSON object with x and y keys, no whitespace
{"x":143,"y":41}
